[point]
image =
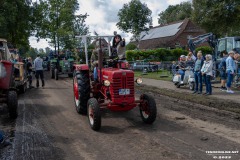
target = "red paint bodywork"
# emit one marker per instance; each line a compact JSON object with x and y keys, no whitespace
{"x":119,"y":79}
{"x":5,"y":82}
{"x":108,"y":97}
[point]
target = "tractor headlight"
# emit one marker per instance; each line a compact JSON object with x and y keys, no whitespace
{"x":138,"y":80}
{"x":106,"y":83}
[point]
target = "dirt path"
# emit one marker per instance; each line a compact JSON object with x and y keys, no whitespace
{"x":48,"y":127}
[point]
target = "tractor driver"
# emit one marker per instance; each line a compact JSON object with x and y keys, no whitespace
{"x":94,"y":60}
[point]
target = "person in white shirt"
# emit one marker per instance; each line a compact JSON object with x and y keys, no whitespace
{"x":207,"y":72}
{"x":38,"y":62}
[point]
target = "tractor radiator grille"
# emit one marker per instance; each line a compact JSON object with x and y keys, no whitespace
{"x":123,"y":82}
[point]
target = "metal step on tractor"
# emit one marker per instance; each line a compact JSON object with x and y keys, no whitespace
{"x":61,"y":65}
{"x":113,"y":90}
{"x":8,"y":91}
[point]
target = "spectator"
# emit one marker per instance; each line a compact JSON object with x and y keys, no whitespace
{"x":207,"y":72}
{"x":230,"y":68}
{"x":190,"y":60}
{"x":182,"y":67}
{"x":237,"y":61}
{"x":190,"y":54}
{"x":174,"y":67}
{"x":222,"y":70}
{"x":38,"y":65}
{"x":29,"y":72}
{"x":197,"y":73}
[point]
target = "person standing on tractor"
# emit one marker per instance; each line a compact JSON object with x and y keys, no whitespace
{"x":38,"y":65}
{"x":118,"y":48}
{"x":29,"y":72}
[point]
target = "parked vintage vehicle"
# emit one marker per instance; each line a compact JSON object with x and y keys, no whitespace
{"x":8,"y":91}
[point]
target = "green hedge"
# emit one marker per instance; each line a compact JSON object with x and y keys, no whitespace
{"x":205,"y":50}
{"x":160,"y":54}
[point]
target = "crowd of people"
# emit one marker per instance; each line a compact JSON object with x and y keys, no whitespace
{"x":203,"y":70}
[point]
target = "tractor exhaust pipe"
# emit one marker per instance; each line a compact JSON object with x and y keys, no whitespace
{"x":100,"y":59}
{"x":100,"y":55}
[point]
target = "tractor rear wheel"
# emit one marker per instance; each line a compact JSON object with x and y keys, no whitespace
{"x":12,"y":103}
{"x":56,"y":74}
{"x":148,"y":109}
{"x":94,"y":114}
{"x":81,"y":89}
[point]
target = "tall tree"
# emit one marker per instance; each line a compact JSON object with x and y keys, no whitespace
{"x":58,"y":22}
{"x":175,"y":13}
{"x":15,"y":22}
{"x":218,"y":16}
{"x":134,"y":17}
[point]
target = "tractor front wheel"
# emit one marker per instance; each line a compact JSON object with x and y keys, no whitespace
{"x":148,"y":109}
{"x":81,"y":90}
{"x":94,"y":114}
{"x":12,"y":103}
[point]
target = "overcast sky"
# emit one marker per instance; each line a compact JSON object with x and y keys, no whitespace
{"x":103,"y":16}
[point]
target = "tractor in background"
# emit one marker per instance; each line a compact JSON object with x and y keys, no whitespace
{"x":61,"y":64}
{"x":114,"y":90}
{"x":8,"y":91}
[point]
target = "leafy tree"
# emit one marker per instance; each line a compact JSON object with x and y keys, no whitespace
{"x":133,"y":17}
{"x":58,"y":22}
{"x":131,"y":46}
{"x":175,"y":13}
{"x":15,"y":22}
{"x":218,"y":16}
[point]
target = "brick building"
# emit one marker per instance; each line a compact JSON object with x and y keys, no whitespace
{"x":169,"y":36}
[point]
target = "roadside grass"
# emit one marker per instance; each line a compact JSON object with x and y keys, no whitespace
{"x":159,"y":75}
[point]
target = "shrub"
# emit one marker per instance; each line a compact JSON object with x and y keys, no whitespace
{"x":131,"y":46}
{"x":205,"y":50}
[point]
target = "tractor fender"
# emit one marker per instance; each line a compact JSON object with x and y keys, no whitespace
{"x":81,"y":67}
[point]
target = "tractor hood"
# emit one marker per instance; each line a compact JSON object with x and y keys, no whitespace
{"x":113,"y":73}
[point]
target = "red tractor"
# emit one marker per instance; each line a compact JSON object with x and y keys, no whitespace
{"x":114,"y":90}
{"x":8,"y":93}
